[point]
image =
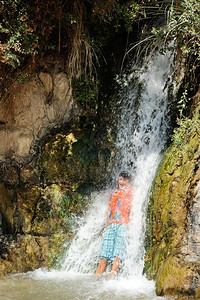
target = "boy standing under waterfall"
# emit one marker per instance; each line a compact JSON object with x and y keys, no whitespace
{"x":118,"y":217}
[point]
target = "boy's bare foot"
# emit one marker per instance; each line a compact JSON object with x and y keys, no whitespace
{"x":102,"y":266}
{"x":113,"y":274}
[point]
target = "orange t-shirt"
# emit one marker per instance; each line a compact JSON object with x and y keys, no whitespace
{"x":119,"y":206}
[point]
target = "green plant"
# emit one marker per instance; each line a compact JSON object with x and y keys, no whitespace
{"x":64,"y":203}
{"x":128,"y":13}
{"x":183,"y":25}
{"x":70,"y":19}
{"x":182,"y":103}
{"x":25,"y":28}
{"x":23,"y":77}
{"x":17,"y":32}
{"x":86,"y":91}
{"x":186,"y":128}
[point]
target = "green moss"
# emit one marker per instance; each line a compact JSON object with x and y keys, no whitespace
{"x":168,"y":210}
{"x":52,"y":164}
{"x":56,"y":249}
{"x":173,"y":275}
{"x":67,"y":157}
{"x":54,"y":209}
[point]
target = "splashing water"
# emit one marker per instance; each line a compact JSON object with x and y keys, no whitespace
{"x":83,"y":253}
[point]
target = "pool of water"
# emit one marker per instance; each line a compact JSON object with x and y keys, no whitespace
{"x":43,"y":285}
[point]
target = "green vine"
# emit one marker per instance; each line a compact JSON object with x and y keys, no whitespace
{"x":128,"y":13}
{"x":183,"y":25}
{"x":86,"y":91}
{"x":182,"y":104}
{"x":186,"y":126}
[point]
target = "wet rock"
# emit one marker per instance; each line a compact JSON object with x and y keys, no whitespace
{"x":47,"y":173}
{"x":29,"y":175}
{"x":27,"y":199}
{"x":193,"y":245}
{"x":25,"y":253}
{"x":34,"y":108}
{"x":11,"y":176}
{"x":7,"y":208}
{"x":175,"y":213}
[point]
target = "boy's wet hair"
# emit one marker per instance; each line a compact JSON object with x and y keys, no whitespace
{"x":126,"y":174}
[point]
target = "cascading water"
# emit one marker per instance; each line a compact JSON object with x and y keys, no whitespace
{"x":142,"y":133}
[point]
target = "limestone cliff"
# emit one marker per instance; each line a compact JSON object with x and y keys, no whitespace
{"x":36,"y":104}
{"x":173,"y":257}
{"x":50,"y":158}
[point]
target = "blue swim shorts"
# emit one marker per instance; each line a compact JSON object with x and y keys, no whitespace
{"x":114,"y":243}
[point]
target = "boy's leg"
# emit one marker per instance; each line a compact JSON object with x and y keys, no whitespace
{"x":107,"y":249}
{"x":102,"y":266}
{"x":115,"y":266}
{"x":121,"y":242}
{"x":120,"y":248}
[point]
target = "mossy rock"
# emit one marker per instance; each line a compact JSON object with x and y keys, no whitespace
{"x":55,"y":207}
{"x":172,"y":199}
{"x":174,"y":277}
{"x":7,"y":202}
{"x":77,"y":156}
{"x":27,"y":199}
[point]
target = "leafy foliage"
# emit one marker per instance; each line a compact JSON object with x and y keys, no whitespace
{"x":182,"y":103}
{"x":129,"y":13}
{"x":184,"y":25}
{"x":85,"y":90}
{"x":24,"y":28}
{"x":64,"y":203}
{"x":187,"y":127}
{"x":32,"y":28}
{"x":28,"y":27}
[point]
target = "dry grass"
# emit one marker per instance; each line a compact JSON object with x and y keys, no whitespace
{"x":104,"y":9}
{"x":80,"y":59}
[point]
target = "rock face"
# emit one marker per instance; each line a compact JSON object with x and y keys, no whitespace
{"x":192,"y":249}
{"x":35,"y":222}
{"x":46,"y":172}
{"x":38,"y":200}
{"x":173,"y":257}
{"x":29,"y":222}
{"x":34,"y":107}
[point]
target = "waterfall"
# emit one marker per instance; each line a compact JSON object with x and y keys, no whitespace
{"x":142,"y":134}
